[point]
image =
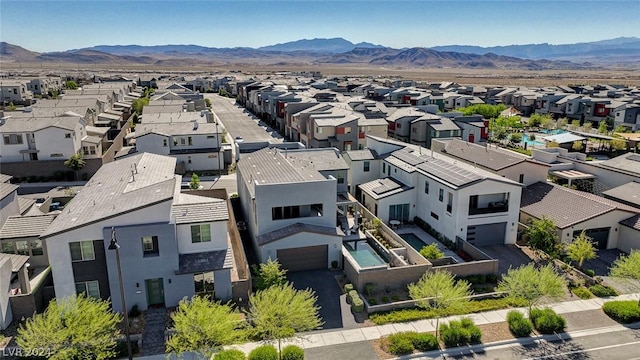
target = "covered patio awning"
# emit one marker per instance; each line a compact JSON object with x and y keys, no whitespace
{"x":572,"y":175}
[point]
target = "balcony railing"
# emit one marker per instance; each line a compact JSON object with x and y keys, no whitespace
{"x":495,"y":207}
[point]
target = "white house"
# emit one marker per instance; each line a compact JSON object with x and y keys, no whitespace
{"x":290,"y":207}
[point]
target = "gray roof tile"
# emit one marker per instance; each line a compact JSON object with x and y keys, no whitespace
{"x":6,"y":189}
{"x":629,"y":192}
{"x":25,"y":226}
{"x":295,"y":229}
{"x":632,"y":222}
{"x":204,"y":262}
{"x":481,"y":155}
{"x":198,"y":209}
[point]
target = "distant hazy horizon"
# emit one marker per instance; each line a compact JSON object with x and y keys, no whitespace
{"x":45,"y":26}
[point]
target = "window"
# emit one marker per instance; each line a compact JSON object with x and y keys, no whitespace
{"x":347,"y":129}
{"x":67,"y":135}
{"x":164,"y":142}
{"x":399,"y":212}
{"x":188,"y":159}
{"x":7,"y":247}
{"x":441,"y":195}
{"x":150,"y":246}
{"x":367,"y":166}
{"x":200,"y":233}
{"x":318,"y":130}
{"x":13,"y":139}
{"x":190,"y":140}
{"x":449,"y":202}
{"x":183,"y":141}
{"x":22,"y":248}
{"x":521,"y":179}
{"x":56,"y":155}
{"x":89,"y":288}
{"x":36,"y":248}
{"x":398,"y":125}
{"x":204,"y":282}
{"x":426,"y":187}
{"x":82,"y":251}
{"x":384,"y":167}
{"x":434,"y":215}
{"x":340,"y":177}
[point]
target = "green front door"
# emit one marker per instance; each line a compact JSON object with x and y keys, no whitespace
{"x":155,"y":292}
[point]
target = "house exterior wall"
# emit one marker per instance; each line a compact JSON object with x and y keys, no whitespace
{"x":153,"y":143}
{"x":200,"y":161}
{"x":9,"y":207}
{"x":5,"y":285}
{"x":60,"y":256}
{"x":608,"y":220}
{"x":532,"y":172}
{"x":34,"y":260}
{"x":304,"y":239}
{"x":358,"y":176}
{"x":628,"y":239}
{"x":53,"y":140}
{"x":405,"y":197}
{"x":218,"y":238}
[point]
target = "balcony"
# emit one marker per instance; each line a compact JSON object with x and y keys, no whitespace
{"x":491,"y":208}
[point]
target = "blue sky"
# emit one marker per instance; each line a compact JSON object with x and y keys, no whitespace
{"x":62,"y":25}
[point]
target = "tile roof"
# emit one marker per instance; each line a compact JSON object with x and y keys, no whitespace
{"x":17,"y":261}
{"x":489,"y":158}
{"x":629,"y":162}
{"x":565,"y":206}
{"x":296,"y":228}
{"x":29,"y":124}
{"x":5,"y":178}
{"x":198,"y":209}
{"x":204,"y":262}
{"x":6,"y":189}
{"x":24,"y":203}
{"x":113,"y":191}
{"x":25,"y":226}
{"x":629,"y":192}
{"x":632,"y":222}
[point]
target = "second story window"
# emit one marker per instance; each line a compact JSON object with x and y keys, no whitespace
{"x":150,"y":246}
{"x":67,"y":136}
{"x":367,"y":166}
{"x":200,"y":233}
{"x":441,"y":195}
{"x":12,"y":139}
{"x":426,"y":187}
{"x":82,"y":251}
{"x":190,"y":140}
{"x":164,"y":142}
{"x":340,"y":177}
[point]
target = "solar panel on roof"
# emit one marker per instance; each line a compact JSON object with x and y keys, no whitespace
{"x":408,"y":158}
{"x":448,"y":172}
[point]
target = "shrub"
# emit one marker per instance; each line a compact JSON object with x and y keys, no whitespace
{"x":372,"y":301}
{"x":492,"y":278}
{"x":369,"y":289}
{"x":231,"y":354}
{"x":135,"y":312}
{"x":589,"y":272}
{"x":357,"y":304}
{"x":622,"y":311}
{"x":425,"y":342}
{"x":582,"y":292}
{"x":292,"y":352}
{"x":395,"y":298}
{"x":348,"y":287}
{"x":602,"y":291}
{"x":401,"y":343}
{"x":518,"y":324}
{"x":546,"y":321}
{"x":431,"y":251}
{"x":353,"y":294}
{"x":461,"y":332}
{"x":385,"y":299}
{"x":264,"y":352}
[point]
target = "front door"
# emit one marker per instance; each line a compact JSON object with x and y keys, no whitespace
{"x":155,"y":292}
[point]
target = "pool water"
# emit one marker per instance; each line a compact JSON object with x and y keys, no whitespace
{"x":525,"y":139}
{"x":364,"y":254}
{"x":553,"y":131}
{"x":414,"y":241}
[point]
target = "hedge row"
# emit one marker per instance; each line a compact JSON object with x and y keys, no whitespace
{"x":405,"y":342}
{"x":623,"y":311}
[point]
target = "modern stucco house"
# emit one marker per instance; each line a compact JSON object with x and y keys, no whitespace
{"x":289,"y":199}
{"x":169,"y":241}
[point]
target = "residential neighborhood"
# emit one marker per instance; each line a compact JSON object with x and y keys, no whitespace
{"x":147,"y":189}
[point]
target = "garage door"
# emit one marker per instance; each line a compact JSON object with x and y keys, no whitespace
{"x":487,"y":234}
{"x":599,"y":236}
{"x":304,"y":258}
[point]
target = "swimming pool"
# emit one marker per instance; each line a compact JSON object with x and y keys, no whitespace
{"x":413,"y":240}
{"x":528,"y":141}
{"x":553,"y":131}
{"x":364,"y":254}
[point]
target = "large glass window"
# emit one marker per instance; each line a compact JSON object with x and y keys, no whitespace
{"x":204,"y":283}
{"x":441,"y":195}
{"x":22,"y":248}
{"x":88,"y":288}
{"x":200,"y":233}
{"x":36,"y":248}
{"x":7,"y":247}
{"x":426,"y":187}
{"x":82,"y":251}
{"x":367,"y":166}
{"x":399,"y":212}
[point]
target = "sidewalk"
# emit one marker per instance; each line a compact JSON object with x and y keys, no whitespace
{"x":331,"y":338}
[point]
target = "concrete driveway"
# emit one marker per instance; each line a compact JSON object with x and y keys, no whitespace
{"x":507,"y":255}
{"x":334,"y":309}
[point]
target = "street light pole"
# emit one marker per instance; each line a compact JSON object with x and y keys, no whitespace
{"x":115,"y":246}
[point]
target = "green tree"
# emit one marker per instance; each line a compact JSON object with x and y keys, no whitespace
{"x":562,"y":122}
{"x":534,"y":120}
{"x":542,"y":235}
{"x":546,"y":122}
{"x":618,"y":144}
{"x":628,"y":267}
{"x":138,"y":104}
{"x":431,"y":251}
{"x":280,"y":311}
{"x":552,"y":144}
{"x":581,"y":249}
{"x":620,"y":129}
{"x":207,"y":102}
{"x":204,"y":326}
{"x":53,"y":94}
{"x":75,"y":162}
{"x":575,"y":123}
{"x":71,"y":85}
{"x":577,"y":145}
{"x":587,"y":126}
{"x":77,"y":327}
{"x":11,"y":106}
{"x":531,"y":284}
{"x":602,"y":127}
{"x":515,"y":138}
{"x":270,"y":274}
{"x":486,"y":110}
{"x":194,"y":184}
{"x":439,"y":292}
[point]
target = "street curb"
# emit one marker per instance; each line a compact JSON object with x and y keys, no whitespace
{"x":465,"y":350}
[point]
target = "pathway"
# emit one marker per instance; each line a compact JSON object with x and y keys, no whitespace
{"x":153,"y":341}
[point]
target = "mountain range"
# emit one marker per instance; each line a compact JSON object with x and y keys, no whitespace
{"x":625,"y":51}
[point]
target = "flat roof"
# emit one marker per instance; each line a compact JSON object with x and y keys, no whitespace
{"x":239,"y":124}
